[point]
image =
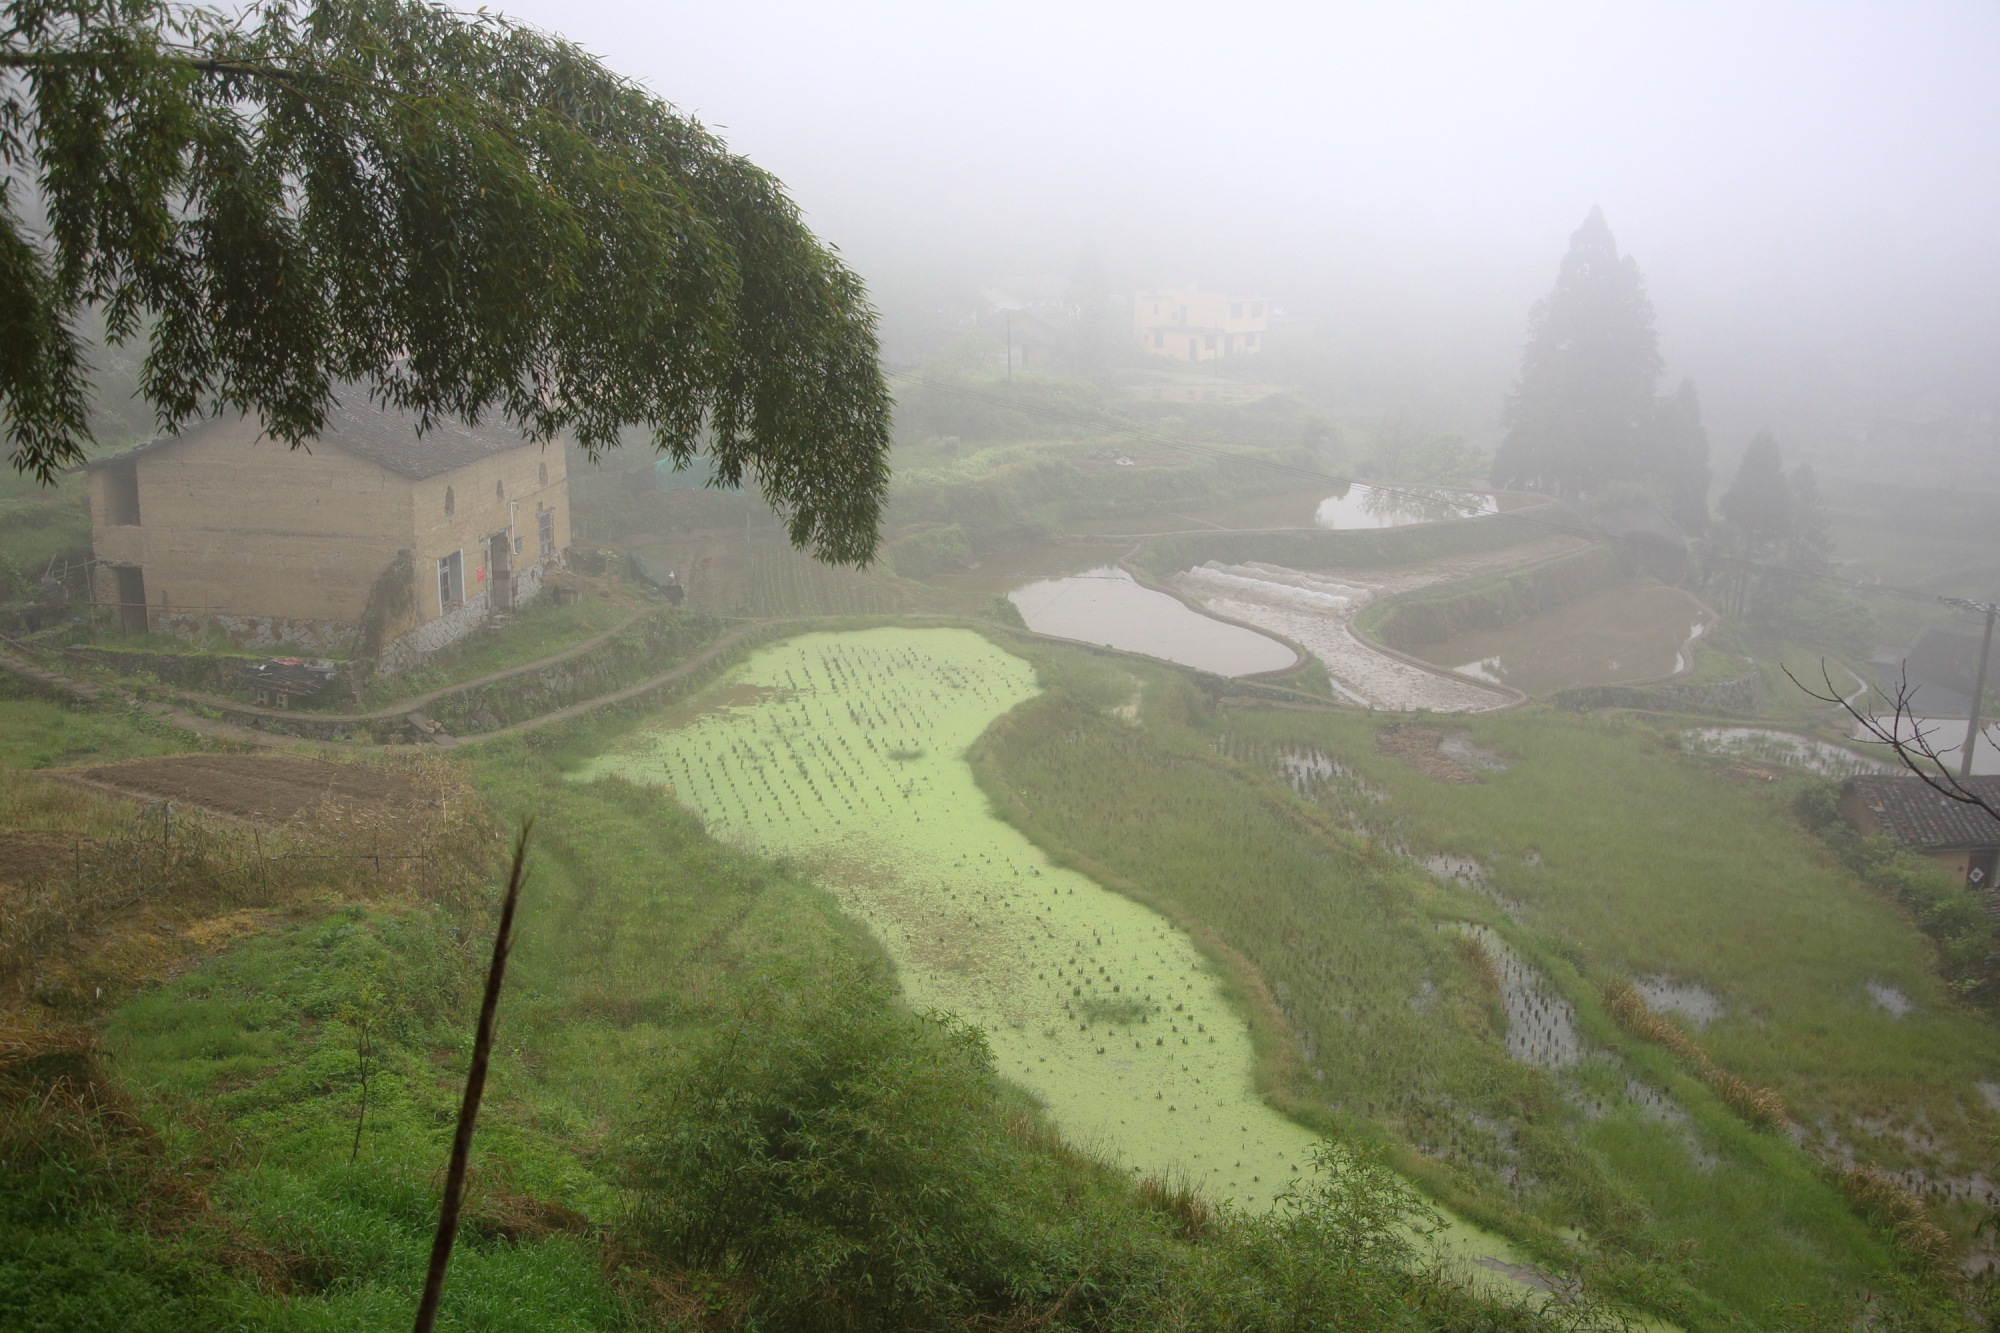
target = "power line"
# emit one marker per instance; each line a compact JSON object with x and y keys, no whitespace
{"x":1416,"y":496}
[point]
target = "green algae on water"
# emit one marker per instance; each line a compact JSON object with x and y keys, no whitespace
{"x":846,"y":750}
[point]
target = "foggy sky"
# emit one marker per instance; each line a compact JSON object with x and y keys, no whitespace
{"x":1812,"y":190}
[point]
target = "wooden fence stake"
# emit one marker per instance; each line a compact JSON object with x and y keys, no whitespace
{"x":475,"y":1087}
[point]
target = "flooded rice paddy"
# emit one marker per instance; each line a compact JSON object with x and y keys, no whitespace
{"x":1105,"y":605}
{"x":846,"y":751}
{"x":1782,"y":747}
{"x":1604,"y":638}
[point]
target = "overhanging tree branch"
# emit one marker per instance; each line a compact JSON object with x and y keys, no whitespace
{"x":458,"y":215}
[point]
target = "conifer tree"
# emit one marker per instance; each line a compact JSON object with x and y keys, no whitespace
{"x":1585,"y":393}
{"x":1756,"y":519}
{"x":1674,"y":455}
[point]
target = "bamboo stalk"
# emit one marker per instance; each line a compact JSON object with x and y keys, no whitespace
{"x":475,"y":1087}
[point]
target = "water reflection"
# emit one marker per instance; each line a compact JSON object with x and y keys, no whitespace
{"x":1367,"y":506}
{"x":1104,"y":605}
{"x":1620,"y":634}
{"x":1357,"y":506}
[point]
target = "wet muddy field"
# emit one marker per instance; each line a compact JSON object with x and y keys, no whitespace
{"x":1605,"y":638}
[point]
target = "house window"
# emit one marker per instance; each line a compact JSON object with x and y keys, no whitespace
{"x":1236,"y":310}
{"x":499,"y":490}
{"x":1257,"y":310}
{"x":545,"y":474}
{"x":450,"y":501}
{"x":121,"y":494}
{"x":451,"y":580}
{"x":1194,"y":350}
{"x":545,"y":529}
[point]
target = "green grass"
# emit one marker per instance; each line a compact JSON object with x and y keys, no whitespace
{"x":38,"y":731}
{"x":653,"y":959}
{"x":537,"y":632}
{"x":1628,"y":859}
{"x":1395,"y":1031}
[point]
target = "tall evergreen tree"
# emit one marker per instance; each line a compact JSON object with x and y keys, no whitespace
{"x":1756,"y":520}
{"x":1585,"y":391}
{"x":1759,"y":502}
{"x":1674,"y":454}
{"x":1810,"y":540}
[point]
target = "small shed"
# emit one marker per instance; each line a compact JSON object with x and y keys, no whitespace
{"x":1962,"y":838}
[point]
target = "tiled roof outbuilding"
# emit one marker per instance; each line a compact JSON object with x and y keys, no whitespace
{"x":1909,"y":810}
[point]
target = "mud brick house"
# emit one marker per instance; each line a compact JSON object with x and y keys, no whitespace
{"x":1962,"y":838}
{"x":374,"y":541}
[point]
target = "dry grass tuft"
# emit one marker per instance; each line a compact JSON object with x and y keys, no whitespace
{"x":1883,"y":1201}
{"x":86,"y":913}
{"x":1180,"y":1201}
{"x":1760,"y":1106}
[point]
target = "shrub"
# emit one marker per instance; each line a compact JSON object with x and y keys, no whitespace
{"x":839,"y":1150}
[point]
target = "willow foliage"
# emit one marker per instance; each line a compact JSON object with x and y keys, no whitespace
{"x":462,"y":215}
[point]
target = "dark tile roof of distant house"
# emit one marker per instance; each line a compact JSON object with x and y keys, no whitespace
{"x":388,"y":437}
{"x":1913,"y":814}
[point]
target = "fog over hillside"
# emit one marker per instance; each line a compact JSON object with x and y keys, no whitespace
{"x":1812,"y":191}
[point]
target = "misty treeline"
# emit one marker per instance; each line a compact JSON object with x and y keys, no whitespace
{"x":1585,"y":421}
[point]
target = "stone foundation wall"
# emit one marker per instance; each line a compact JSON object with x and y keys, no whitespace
{"x":260,"y":634}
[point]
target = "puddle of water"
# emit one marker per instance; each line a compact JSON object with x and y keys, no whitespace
{"x":1891,"y":999}
{"x":1373,"y":507}
{"x":1541,"y":1026}
{"x":1689,"y":999}
{"x":1782,"y":747}
{"x":1104,"y":605}
{"x":1945,"y":734}
{"x":1103,"y":1009}
{"x":1618,"y":634}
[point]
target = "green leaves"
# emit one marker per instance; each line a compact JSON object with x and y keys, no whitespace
{"x":453,"y":214}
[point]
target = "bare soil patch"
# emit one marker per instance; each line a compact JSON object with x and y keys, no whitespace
{"x":272,"y":789}
{"x":31,"y":854}
{"x":1423,"y":748}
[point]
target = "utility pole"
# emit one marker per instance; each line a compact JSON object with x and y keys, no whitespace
{"x":1978,"y":681}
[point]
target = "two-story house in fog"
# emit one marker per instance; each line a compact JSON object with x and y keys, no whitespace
{"x":373,"y":540}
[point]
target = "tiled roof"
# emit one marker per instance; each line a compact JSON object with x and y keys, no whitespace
{"x":1913,"y":814}
{"x":388,"y":437}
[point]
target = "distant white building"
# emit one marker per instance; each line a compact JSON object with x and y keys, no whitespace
{"x":1193,"y":325}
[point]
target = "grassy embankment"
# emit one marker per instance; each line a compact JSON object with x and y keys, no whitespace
{"x":1687,"y":1209}
{"x":38,"y":730}
{"x":256,"y":1143}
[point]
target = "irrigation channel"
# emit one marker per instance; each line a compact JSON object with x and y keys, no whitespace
{"x":845,"y":750}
